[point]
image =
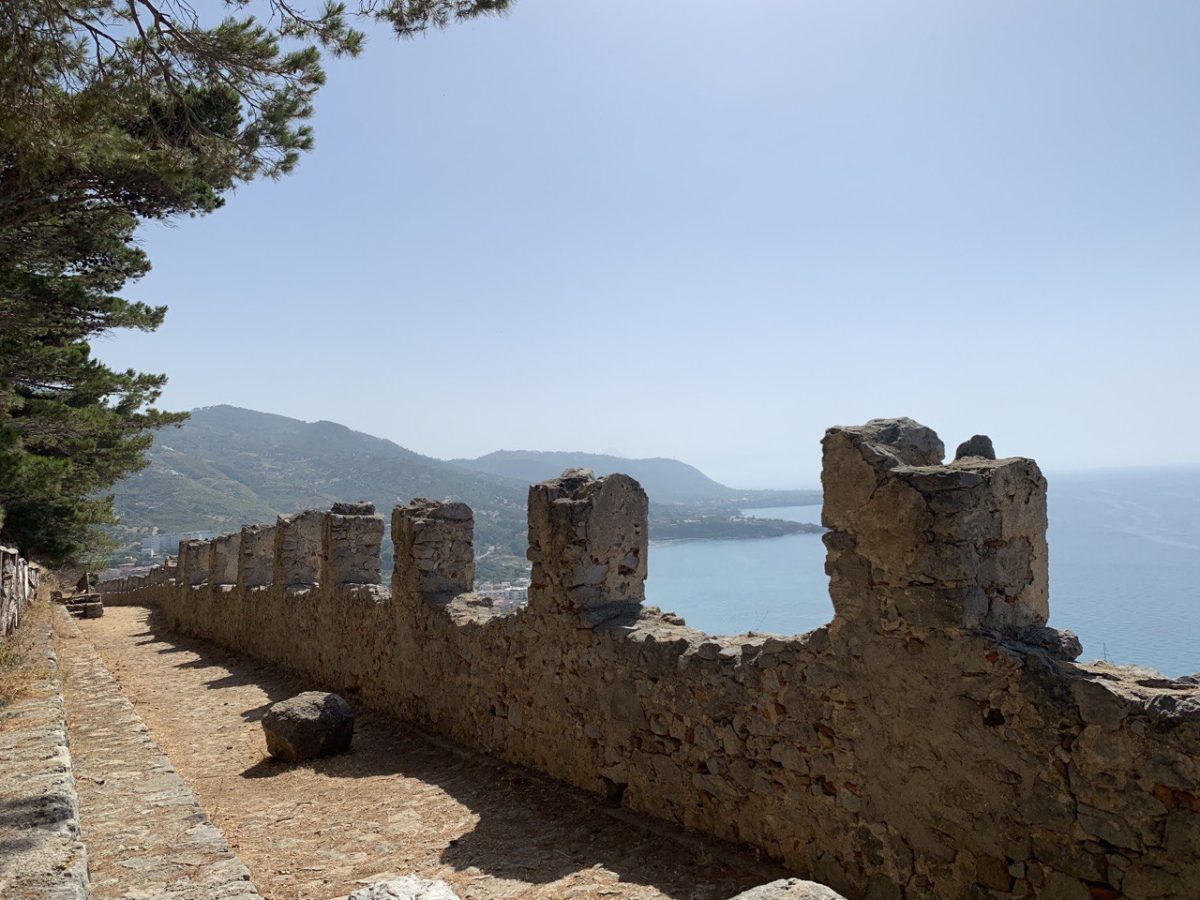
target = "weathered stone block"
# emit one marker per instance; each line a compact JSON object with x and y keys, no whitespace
{"x":308,"y":726}
{"x":410,"y":887}
{"x":588,"y":542}
{"x":353,"y":537}
{"x":223,"y":559}
{"x":257,"y":556}
{"x":434,"y":543}
{"x":912,"y":539}
{"x":790,"y":889}
{"x":193,"y":562}
{"x":298,"y":549}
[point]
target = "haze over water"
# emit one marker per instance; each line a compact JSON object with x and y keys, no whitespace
{"x":1124,"y":571}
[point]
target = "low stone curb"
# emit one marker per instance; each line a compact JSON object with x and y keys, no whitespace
{"x":42,"y":856}
{"x":149,"y":835}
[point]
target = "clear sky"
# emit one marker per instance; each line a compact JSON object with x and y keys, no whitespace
{"x":711,"y":230}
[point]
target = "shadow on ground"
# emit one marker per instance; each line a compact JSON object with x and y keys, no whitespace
{"x":527,"y":827}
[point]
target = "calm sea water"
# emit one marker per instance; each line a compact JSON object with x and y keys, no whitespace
{"x":1124,"y":571}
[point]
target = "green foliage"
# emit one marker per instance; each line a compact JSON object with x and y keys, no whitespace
{"x":227,"y":467}
{"x":73,"y":65}
{"x":112,"y":113}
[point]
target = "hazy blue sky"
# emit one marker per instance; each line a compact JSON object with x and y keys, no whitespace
{"x":710,"y":230}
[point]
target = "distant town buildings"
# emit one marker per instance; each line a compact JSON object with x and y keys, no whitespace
{"x":506,"y":594}
{"x":125,"y":570}
{"x":159,"y":544}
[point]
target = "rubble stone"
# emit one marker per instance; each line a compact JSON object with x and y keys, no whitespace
{"x":308,"y":726}
{"x":410,"y":887}
{"x":790,"y":889}
{"x":978,"y":445}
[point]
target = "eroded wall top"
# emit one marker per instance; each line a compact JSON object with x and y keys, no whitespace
{"x":931,"y":544}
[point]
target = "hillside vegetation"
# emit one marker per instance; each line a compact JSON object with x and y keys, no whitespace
{"x":227,"y":467}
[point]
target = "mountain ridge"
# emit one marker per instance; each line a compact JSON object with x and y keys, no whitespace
{"x":228,"y":466}
{"x":668,"y":480}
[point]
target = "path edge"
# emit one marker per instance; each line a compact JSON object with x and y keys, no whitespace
{"x":40,"y":783}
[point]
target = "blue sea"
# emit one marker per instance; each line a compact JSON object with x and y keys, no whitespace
{"x":1124,"y":570}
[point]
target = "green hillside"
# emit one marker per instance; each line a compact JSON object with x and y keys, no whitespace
{"x":665,"y":480}
{"x":227,"y":467}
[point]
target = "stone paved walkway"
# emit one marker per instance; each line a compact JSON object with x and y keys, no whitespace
{"x":397,"y":804}
{"x":145,"y":832}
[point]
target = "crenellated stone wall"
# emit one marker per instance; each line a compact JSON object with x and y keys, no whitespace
{"x":936,"y":739}
{"x":137,"y":590}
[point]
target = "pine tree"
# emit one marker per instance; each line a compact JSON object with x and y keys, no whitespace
{"x":113,"y":113}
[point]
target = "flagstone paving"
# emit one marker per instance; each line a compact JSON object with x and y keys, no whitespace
{"x":145,"y":832}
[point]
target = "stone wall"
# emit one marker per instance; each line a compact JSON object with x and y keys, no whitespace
{"x":257,"y":565}
{"x":19,"y":581}
{"x":936,"y":739}
{"x":223,"y":559}
{"x":135,"y":590}
{"x":298,"y":549}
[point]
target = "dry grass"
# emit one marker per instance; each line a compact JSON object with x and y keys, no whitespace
{"x":20,"y":668}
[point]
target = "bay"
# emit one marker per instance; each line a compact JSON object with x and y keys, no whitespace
{"x":1124,"y":570}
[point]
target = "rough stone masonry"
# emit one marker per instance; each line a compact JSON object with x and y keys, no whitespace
{"x":936,"y":739}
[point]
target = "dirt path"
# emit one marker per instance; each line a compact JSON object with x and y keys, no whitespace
{"x":396,"y":804}
{"x":145,"y":833}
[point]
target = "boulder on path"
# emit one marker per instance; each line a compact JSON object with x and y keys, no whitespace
{"x":410,"y":887}
{"x":790,"y":889}
{"x":308,"y":726}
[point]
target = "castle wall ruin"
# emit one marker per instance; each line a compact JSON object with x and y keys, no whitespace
{"x":935,"y":739}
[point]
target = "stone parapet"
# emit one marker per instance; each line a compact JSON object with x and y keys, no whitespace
{"x":224,"y":558}
{"x":194,"y":558}
{"x":42,"y":855}
{"x":912,"y":539}
{"x":434,"y":547}
{"x":936,"y":739}
{"x":298,"y":549}
{"x":588,"y":541}
{"x":256,"y":565}
{"x":351,"y":540}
